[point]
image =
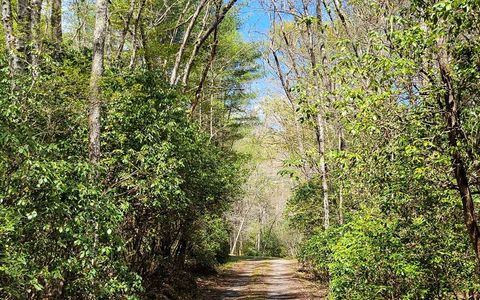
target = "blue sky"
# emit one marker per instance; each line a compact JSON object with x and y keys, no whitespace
{"x":256,"y":20}
{"x":255,"y":27}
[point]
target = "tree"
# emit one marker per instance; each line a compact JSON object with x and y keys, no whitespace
{"x":56,"y":23}
{"x":123,"y":219}
{"x":94,"y":118}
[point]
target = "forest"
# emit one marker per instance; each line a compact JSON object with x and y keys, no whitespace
{"x":157,"y":149}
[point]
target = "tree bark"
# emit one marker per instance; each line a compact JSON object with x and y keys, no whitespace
{"x":97,"y":72}
{"x":126,"y":27}
{"x":146,"y":56}
{"x":320,"y":122}
{"x":56,"y":24}
{"x":206,"y":69}
{"x":232,"y":251}
{"x":24,"y":33}
{"x":10,"y":38}
{"x":135,"y":39}
{"x":199,"y":42}
{"x":211,"y":117}
{"x":180,"y":22}
{"x":81,"y":7}
{"x":338,"y":8}
{"x":454,"y":128}
{"x":320,"y":135}
{"x":341,"y":147}
{"x":36,"y":36}
{"x":186,"y":37}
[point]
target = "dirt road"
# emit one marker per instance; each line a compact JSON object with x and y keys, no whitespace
{"x":261,"y":279}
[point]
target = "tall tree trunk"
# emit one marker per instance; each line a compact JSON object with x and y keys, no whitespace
{"x":338,"y":8}
{"x":201,"y":40}
{"x":173,"y":34}
{"x":56,"y":24}
{"x":258,"y":242}
{"x":136,"y":45}
{"x":291,"y":100}
{"x":232,"y":251}
{"x":186,"y":37}
{"x":206,"y":69}
{"x":180,"y":22}
{"x":146,"y":55}
{"x":211,"y":116}
{"x":341,"y":147}
{"x":320,"y":135}
{"x":97,"y":72}
{"x":126,"y":27}
{"x":10,"y":38}
{"x":454,"y":128}
{"x":320,"y":122}
{"x":82,"y":9}
{"x":135,"y":39}
{"x":24,"y":32}
{"x":36,"y":36}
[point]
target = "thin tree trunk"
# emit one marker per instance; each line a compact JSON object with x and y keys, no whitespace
{"x":126,"y":27}
{"x":270,"y":228}
{"x":232,"y":251}
{"x":36,"y":36}
{"x":97,"y":72}
{"x":259,"y":233}
{"x":159,"y":20}
{"x":320,"y":134}
{"x":258,"y":241}
{"x":241,"y":247}
{"x":200,"y":32}
{"x":80,"y":32}
{"x":200,"y":115}
{"x":24,"y":32}
{"x":199,"y":42}
{"x":454,"y":128}
{"x":180,"y":22}
{"x":338,"y":8}
{"x":288,"y":45}
{"x":10,"y":38}
{"x":186,"y":37}
{"x":341,"y":147}
{"x":146,"y":56}
{"x":320,"y":124}
{"x":311,"y":49}
{"x":206,"y":69}
{"x":301,"y":147}
{"x":211,"y":117}
{"x":56,"y":24}
{"x":136,"y":40}
{"x":108,"y":37}
{"x":290,"y":98}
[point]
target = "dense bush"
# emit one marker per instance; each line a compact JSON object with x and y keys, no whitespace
{"x":404,"y":171}
{"x":70,"y":229}
{"x":402,"y":239}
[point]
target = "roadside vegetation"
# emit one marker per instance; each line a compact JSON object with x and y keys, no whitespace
{"x":116,"y":125}
{"x":379,"y":120}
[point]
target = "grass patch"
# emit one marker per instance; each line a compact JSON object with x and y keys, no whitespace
{"x":232,"y":260}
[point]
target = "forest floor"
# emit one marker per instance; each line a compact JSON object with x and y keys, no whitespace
{"x":260,"y":278}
